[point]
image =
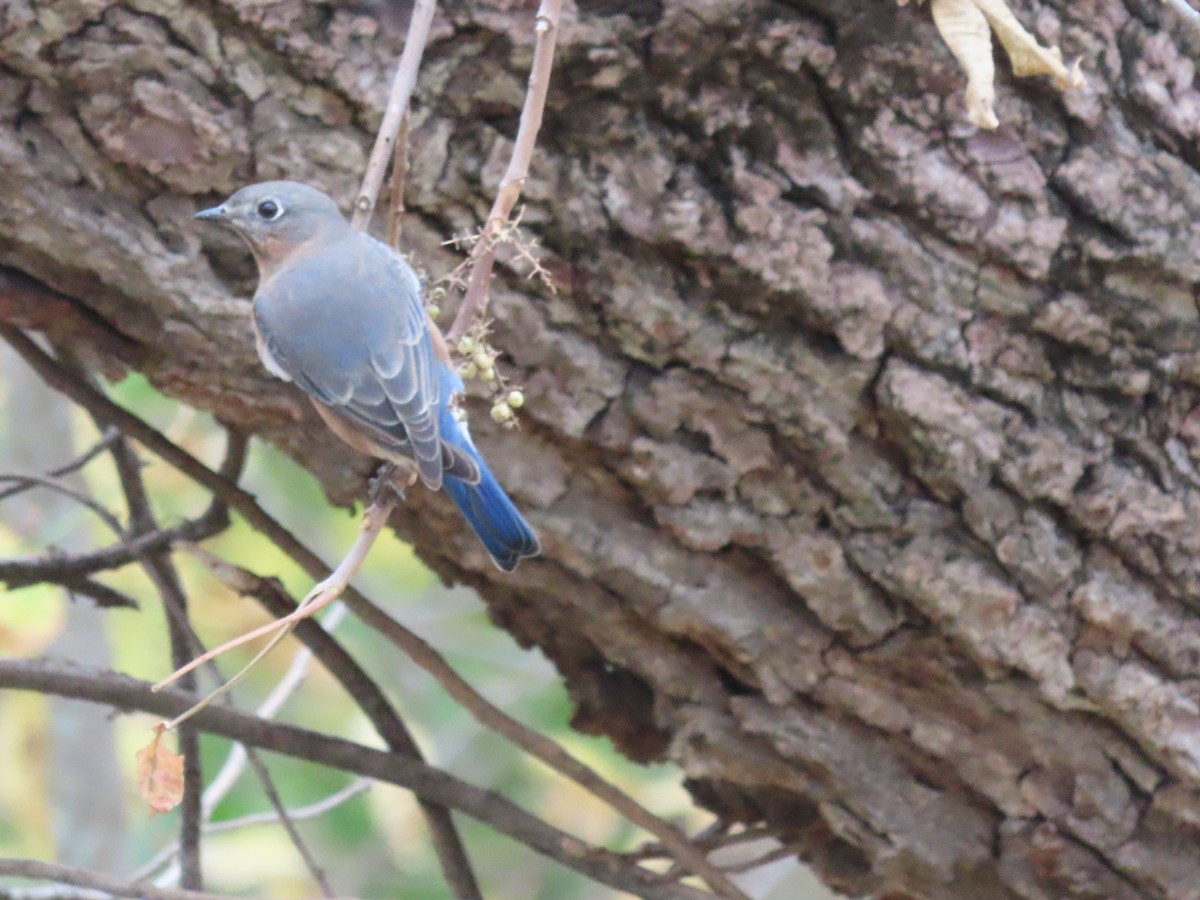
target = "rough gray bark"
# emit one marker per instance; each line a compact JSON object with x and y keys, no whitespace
{"x":862,"y":445}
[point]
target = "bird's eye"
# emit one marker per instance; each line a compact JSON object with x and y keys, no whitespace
{"x":269,"y":210}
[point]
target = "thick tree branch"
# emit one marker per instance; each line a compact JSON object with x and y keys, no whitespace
{"x":864,"y":447}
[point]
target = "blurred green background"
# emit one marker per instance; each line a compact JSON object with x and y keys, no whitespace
{"x":66,"y":768}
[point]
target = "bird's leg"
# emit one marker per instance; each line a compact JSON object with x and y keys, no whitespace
{"x":396,"y":477}
{"x":380,"y":480}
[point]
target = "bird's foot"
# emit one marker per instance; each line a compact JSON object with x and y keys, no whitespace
{"x":394,"y":477}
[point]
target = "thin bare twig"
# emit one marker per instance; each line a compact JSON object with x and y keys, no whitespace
{"x":287,"y":819}
{"x":106,"y":441}
{"x":102,"y":595}
{"x":397,"y":108}
{"x":399,"y":175}
{"x":764,"y":859}
{"x":162,"y":572}
{"x":85,"y":878}
{"x":298,"y":814}
{"x":18,"y":573}
{"x":715,"y":837}
{"x":483,"y":254}
{"x":22,"y":482}
{"x":601,"y":865}
{"x":160,"y":568}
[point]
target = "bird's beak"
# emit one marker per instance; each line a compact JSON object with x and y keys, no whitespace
{"x":215,"y":214}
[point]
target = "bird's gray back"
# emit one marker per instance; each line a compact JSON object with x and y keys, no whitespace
{"x":346,"y":322}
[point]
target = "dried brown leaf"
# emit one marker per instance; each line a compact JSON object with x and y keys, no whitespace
{"x":1027,"y":55}
{"x":965,"y":30}
{"x":160,"y":775}
{"x":966,"y":26}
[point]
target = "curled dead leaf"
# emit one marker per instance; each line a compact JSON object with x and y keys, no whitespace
{"x":966,"y":26}
{"x":965,"y":30}
{"x":159,"y":775}
{"x":1027,"y":55}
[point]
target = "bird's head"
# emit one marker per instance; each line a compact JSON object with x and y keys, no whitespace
{"x":277,"y":219}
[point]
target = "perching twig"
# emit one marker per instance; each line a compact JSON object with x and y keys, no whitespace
{"x":397,"y":107}
{"x":321,"y":595}
{"x":399,"y":175}
{"x":483,"y":254}
{"x":110,"y":435}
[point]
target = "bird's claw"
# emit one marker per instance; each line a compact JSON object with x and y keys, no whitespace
{"x":391,"y":477}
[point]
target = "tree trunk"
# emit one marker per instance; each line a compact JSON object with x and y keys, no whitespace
{"x":862,"y":444}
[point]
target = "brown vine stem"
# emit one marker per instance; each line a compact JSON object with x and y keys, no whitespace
{"x":483,"y":254}
{"x":399,"y":174}
{"x":396,"y":111}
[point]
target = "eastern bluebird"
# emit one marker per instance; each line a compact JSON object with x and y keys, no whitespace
{"x":340,"y":314}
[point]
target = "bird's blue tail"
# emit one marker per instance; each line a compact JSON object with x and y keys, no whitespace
{"x":504,"y":532}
